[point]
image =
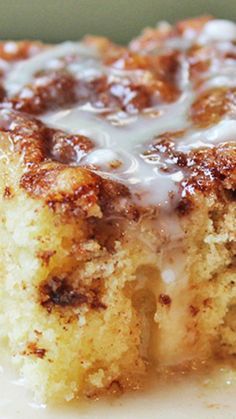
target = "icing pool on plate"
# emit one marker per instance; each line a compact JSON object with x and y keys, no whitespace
{"x":182,"y":398}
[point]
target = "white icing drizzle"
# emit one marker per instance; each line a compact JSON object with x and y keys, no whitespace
{"x":121,"y":137}
{"x":127,"y":143}
{"x":23,"y":71}
{"x":224,"y":131}
{"x":218,"y":30}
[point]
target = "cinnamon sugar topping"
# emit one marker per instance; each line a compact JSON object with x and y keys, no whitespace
{"x":157,"y":116}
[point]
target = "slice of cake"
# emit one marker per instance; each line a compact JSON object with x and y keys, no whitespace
{"x":118,"y":214}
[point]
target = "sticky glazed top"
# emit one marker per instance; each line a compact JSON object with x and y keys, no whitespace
{"x":155,"y":120}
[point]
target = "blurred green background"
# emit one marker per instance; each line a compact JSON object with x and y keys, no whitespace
{"x":57,"y":20}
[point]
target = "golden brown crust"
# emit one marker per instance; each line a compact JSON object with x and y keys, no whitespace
{"x":37,"y":142}
{"x":20,"y":50}
{"x":212,"y":105}
{"x":154,"y":38}
{"x":71,"y":189}
{"x":50,"y":156}
{"x":58,"y":90}
{"x":194,"y":24}
{"x":207,"y":170}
